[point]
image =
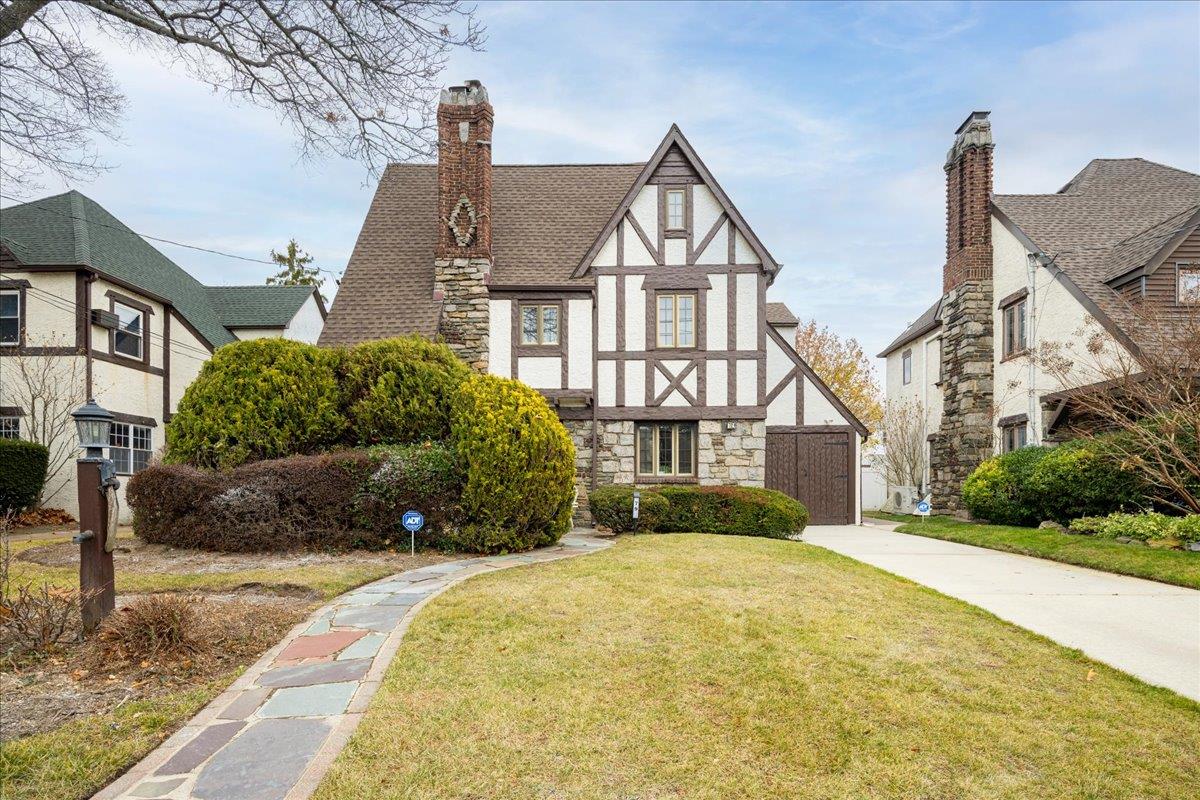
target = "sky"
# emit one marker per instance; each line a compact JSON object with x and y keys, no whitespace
{"x":827,"y":125}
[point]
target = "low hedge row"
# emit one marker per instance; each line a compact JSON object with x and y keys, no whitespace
{"x":737,"y":510}
{"x":333,"y":501}
{"x":1149,"y":527}
{"x":22,"y":473}
{"x":1034,"y":484}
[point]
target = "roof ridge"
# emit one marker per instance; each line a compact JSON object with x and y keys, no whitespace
{"x":79,"y":221}
{"x":1188,"y":211}
{"x":257,"y":286}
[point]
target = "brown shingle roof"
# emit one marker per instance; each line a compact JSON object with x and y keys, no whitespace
{"x":780,"y":314}
{"x":928,"y":321}
{"x":1110,"y":219}
{"x":544,"y":218}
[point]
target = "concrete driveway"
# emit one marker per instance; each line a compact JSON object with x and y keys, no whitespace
{"x":1148,"y":629}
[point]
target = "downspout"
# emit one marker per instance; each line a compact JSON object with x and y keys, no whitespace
{"x":1034,"y":407}
{"x":595,"y":381}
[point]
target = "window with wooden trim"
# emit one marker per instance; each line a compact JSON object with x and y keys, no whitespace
{"x":1014,"y":437}
{"x":676,"y":320}
{"x":1015,"y":326}
{"x":1189,"y":284}
{"x":10,"y":317}
{"x":539,"y":324}
{"x":666,"y":449}
{"x":906,"y":367}
{"x":676,"y":201}
{"x":130,"y":447}
{"x":10,"y":427}
{"x":129,"y":336}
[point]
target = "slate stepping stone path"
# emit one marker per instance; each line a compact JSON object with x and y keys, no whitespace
{"x":273,"y":734}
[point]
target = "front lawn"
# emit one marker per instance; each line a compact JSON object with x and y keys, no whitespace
{"x":1177,"y":567}
{"x":689,"y":666}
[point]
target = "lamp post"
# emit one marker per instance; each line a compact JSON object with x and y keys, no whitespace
{"x":96,"y":475}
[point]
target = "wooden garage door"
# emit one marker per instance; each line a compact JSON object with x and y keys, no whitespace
{"x":814,"y":466}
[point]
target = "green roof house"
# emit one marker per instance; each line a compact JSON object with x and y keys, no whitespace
{"x":86,"y":299}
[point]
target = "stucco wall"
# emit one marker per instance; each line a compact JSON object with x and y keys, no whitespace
{"x":1058,"y":323}
{"x":307,"y":323}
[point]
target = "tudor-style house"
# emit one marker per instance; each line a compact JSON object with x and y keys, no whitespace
{"x":633,"y":296}
{"x":88,"y":308}
{"x":1029,"y":274}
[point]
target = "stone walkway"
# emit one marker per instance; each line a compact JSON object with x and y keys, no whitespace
{"x":273,"y":734}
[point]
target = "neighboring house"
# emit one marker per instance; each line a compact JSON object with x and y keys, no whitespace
{"x":632,"y":295}
{"x":1031,"y":274}
{"x":97,"y":311}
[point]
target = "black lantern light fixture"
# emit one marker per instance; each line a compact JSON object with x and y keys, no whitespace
{"x":92,"y":424}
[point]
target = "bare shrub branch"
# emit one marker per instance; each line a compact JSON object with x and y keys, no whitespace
{"x":906,"y":455}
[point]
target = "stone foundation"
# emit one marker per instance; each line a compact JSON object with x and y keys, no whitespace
{"x":736,"y":457}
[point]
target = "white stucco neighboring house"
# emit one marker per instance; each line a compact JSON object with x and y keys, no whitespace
{"x":633,"y":296}
{"x":1030,"y":275}
{"x":93,"y":310}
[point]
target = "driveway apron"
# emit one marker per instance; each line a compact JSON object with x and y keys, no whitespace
{"x":274,"y":733}
{"x":1148,"y":629}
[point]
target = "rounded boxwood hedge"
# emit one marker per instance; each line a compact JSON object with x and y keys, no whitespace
{"x":612,"y":507}
{"x":258,"y":399}
{"x":22,"y":473}
{"x":998,"y":489}
{"x":1077,"y":479}
{"x":518,"y":465}
{"x":399,"y":390}
{"x":737,"y":510}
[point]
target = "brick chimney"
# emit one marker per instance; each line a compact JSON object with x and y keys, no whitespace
{"x":965,"y":438}
{"x":463,"y":257}
{"x":968,"y":203}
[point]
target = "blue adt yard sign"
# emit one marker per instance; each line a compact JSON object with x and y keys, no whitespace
{"x":923,"y":508}
{"x":412,"y":521}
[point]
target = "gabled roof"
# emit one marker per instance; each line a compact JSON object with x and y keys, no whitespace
{"x":1109,"y":221}
{"x":675,"y":140}
{"x":780,"y":314}
{"x":930,"y":320}
{"x":259,"y":306}
{"x":71,"y":229}
{"x":543,"y":219}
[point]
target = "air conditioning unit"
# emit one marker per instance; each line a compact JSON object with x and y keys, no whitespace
{"x":904,"y":499}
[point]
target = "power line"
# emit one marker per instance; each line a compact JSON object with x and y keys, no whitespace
{"x":336,"y":279}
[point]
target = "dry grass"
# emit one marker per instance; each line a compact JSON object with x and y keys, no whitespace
{"x":691,"y":666}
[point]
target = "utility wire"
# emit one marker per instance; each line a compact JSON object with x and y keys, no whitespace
{"x":336,"y":279}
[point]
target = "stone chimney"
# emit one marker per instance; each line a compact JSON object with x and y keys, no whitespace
{"x":965,"y":437}
{"x":463,"y":258}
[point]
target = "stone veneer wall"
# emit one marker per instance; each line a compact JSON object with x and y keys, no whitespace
{"x":965,"y":437}
{"x":461,"y":286}
{"x":737,"y":457}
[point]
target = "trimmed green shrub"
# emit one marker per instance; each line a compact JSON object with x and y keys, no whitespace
{"x":1077,"y":479}
{"x":281,"y":504}
{"x":739,"y":510}
{"x":518,"y":465}
{"x":612,"y":507}
{"x":22,"y":473}
{"x":399,"y":390}
{"x":998,"y":490}
{"x":1186,"y":529}
{"x":424,"y":477}
{"x":1150,"y":527}
{"x":258,"y":399}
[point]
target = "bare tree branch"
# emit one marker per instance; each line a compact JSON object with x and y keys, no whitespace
{"x":353,"y":78}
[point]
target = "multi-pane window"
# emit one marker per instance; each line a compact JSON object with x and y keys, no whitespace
{"x":906,"y":367}
{"x":666,"y":449}
{"x":10,"y":317}
{"x":1015,"y":325}
{"x":1189,"y":284}
{"x":676,"y":320}
{"x":129,"y":447}
{"x":10,"y":427}
{"x":1014,"y":437}
{"x":128,"y":337}
{"x":675,"y":202}
{"x":539,"y":324}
